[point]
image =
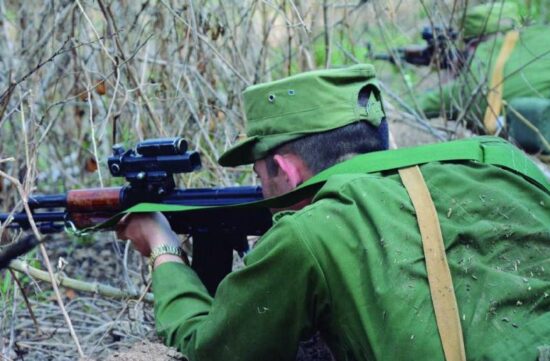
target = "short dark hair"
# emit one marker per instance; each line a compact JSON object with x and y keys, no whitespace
{"x":322,"y":150}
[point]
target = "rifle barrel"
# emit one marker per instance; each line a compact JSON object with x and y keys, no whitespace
{"x":46,"y":221}
{"x":21,"y":217}
{"x":47,"y":201}
{"x":384,"y":57}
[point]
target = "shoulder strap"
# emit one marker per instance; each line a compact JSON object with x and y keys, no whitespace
{"x":439,"y":275}
{"x":487,"y":150}
{"x":494,"y":98}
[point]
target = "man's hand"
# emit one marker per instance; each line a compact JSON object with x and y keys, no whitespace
{"x":147,"y":231}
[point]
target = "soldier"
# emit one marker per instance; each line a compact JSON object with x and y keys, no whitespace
{"x":354,"y":258}
{"x":505,"y":78}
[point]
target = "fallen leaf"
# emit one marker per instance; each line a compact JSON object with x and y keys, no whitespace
{"x":91,"y":165}
{"x":70,"y":294}
{"x":101,"y":88}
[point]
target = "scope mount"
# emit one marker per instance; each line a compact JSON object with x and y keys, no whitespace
{"x":150,"y":167}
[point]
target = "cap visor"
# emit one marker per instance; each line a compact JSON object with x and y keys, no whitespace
{"x":239,"y":154}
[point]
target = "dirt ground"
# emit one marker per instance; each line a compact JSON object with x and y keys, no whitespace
{"x":311,"y":350}
{"x":144,"y":351}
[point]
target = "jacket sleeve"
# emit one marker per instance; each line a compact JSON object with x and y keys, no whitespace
{"x":260,"y":312}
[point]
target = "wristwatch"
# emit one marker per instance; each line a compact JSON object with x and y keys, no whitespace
{"x":164,"y":249}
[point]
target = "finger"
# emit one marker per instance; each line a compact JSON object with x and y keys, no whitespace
{"x":120,"y":234}
{"x":120,"y":230}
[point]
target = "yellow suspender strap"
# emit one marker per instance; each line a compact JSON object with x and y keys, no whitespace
{"x":494,"y":98}
{"x":439,"y":275}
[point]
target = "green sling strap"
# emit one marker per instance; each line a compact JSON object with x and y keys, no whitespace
{"x":487,"y":150}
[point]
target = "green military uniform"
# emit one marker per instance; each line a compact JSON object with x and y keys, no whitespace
{"x":524,"y":77}
{"x":351,"y":263}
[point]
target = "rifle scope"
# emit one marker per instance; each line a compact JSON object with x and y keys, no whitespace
{"x":153,"y":158}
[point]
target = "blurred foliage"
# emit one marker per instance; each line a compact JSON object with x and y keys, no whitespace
{"x":534,"y":11}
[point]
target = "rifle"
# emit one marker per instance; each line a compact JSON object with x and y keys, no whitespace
{"x":149,"y":170}
{"x":438,"y":50}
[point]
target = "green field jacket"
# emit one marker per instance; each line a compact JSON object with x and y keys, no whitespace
{"x":526,"y":74}
{"x":351,"y":265}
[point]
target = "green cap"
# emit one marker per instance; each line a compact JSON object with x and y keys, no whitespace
{"x":490,"y":18}
{"x":312,"y":102}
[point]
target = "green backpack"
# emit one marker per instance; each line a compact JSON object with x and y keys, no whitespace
{"x":529,"y":123}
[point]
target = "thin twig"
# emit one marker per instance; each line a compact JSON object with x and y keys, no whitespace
{"x":27,"y":303}
{"x":326,"y":34}
{"x":94,"y":287}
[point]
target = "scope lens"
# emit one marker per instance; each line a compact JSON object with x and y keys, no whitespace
{"x":115,"y":169}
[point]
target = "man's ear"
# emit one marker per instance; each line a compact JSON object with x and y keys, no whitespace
{"x":291,"y":167}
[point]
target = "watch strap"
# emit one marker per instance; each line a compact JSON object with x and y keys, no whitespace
{"x":164,"y":249}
